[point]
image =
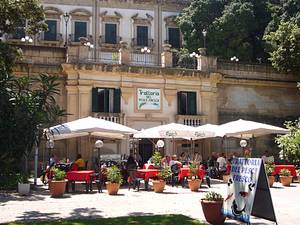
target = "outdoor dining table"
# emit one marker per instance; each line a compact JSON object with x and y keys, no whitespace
{"x":80,"y":176}
{"x":291,"y":168}
{"x":146,"y":174}
{"x":185,"y":172}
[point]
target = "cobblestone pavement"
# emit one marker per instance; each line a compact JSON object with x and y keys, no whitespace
{"x":174,"y":200}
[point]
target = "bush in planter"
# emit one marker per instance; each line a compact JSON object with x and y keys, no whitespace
{"x":194,"y":183}
{"x":57,"y":185}
{"x":285,"y":177}
{"x":269,"y":171}
{"x":156,"y":158}
{"x":212,"y":205}
{"x":23,"y":183}
{"x":114,"y":180}
{"x":164,"y":174}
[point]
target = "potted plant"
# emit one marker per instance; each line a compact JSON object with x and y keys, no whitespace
{"x":269,"y":171}
{"x":193,"y":181}
{"x":114,"y":180}
{"x":212,"y":205}
{"x":23,"y":184}
{"x":156,"y":159}
{"x":57,"y":185}
{"x":160,"y":183}
{"x":285,"y":177}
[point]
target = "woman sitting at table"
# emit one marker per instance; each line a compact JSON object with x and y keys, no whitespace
{"x":166,"y":160}
{"x":80,"y":162}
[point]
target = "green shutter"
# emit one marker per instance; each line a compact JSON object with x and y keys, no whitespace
{"x":95,"y":100}
{"x":117,"y":100}
{"x":192,"y":103}
{"x":106,"y":100}
{"x":179,"y":111}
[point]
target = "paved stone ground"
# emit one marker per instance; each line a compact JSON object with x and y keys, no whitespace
{"x":175,"y":200}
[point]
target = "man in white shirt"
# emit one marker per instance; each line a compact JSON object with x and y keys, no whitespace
{"x":222,"y":162}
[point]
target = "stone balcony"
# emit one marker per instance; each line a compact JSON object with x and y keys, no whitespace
{"x":191,"y":120}
{"x":113,"y":117}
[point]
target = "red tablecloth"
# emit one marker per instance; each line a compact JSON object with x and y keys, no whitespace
{"x":148,"y":173}
{"x":291,"y":168}
{"x":185,"y":172}
{"x":82,"y":175}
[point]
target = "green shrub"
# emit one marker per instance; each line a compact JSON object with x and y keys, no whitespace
{"x":193,"y":170}
{"x":59,"y":174}
{"x":285,"y":172}
{"x":156,"y":158}
{"x":213,"y":196}
{"x":114,"y":175}
{"x":164,"y":173}
{"x":269,"y":168}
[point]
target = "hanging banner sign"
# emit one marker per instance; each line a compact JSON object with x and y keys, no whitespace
{"x":248,"y":191}
{"x":148,"y":99}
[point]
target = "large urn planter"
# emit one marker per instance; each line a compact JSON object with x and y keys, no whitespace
{"x":112,"y":188}
{"x":23,"y":188}
{"x":194,"y":185}
{"x":212,"y":211}
{"x":271,"y":180}
{"x":57,"y":188}
{"x":159,"y":186}
{"x":286,"y":180}
{"x":226,"y":178}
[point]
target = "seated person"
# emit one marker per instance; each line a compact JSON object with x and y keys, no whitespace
{"x":80,"y":162}
{"x":175,"y":161}
{"x":222,"y":163}
{"x":166,"y":160}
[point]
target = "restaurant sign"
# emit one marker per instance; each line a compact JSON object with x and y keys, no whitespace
{"x":248,"y":191}
{"x":148,"y":99}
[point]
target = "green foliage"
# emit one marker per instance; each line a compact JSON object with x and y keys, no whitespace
{"x":13,"y":13}
{"x":285,"y":172}
{"x":8,"y":176}
{"x":22,"y":178}
{"x":59,"y":174}
{"x":233,"y":27}
{"x":193,"y":169}
{"x":156,"y":158}
{"x":290,"y":143}
{"x":284,"y":44}
{"x":213,"y":196}
{"x":182,"y":58}
{"x":114,"y":175}
{"x":164,"y":173}
{"x":269,"y":168}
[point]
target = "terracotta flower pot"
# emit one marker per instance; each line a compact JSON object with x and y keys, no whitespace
{"x":112,"y":188}
{"x":286,"y":180}
{"x":212,"y":211}
{"x":159,"y":186}
{"x":271,"y":180}
{"x":57,"y":188}
{"x":226,"y":178}
{"x":194,"y":185}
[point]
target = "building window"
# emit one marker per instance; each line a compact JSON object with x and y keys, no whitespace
{"x":111,"y":33}
{"x":142,"y":35}
{"x":174,"y":37}
{"x":187,"y":103}
{"x":107,"y":100}
{"x":80,"y":30}
{"x":51,"y":34}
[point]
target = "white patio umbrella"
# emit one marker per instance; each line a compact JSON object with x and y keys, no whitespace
{"x":89,"y":126}
{"x":171,"y":130}
{"x":247,"y":129}
{"x":208,"y":131}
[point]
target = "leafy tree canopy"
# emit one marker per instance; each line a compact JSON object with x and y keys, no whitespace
{"x":252,"y":30}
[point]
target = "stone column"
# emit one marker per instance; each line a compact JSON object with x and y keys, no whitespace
{"x":166,"y":56}
{"x":206,"y":63}
{"x":209,"y":106}
{"x":124,"y":54}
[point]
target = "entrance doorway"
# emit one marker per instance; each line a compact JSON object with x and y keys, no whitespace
{"x":145,"y":149}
